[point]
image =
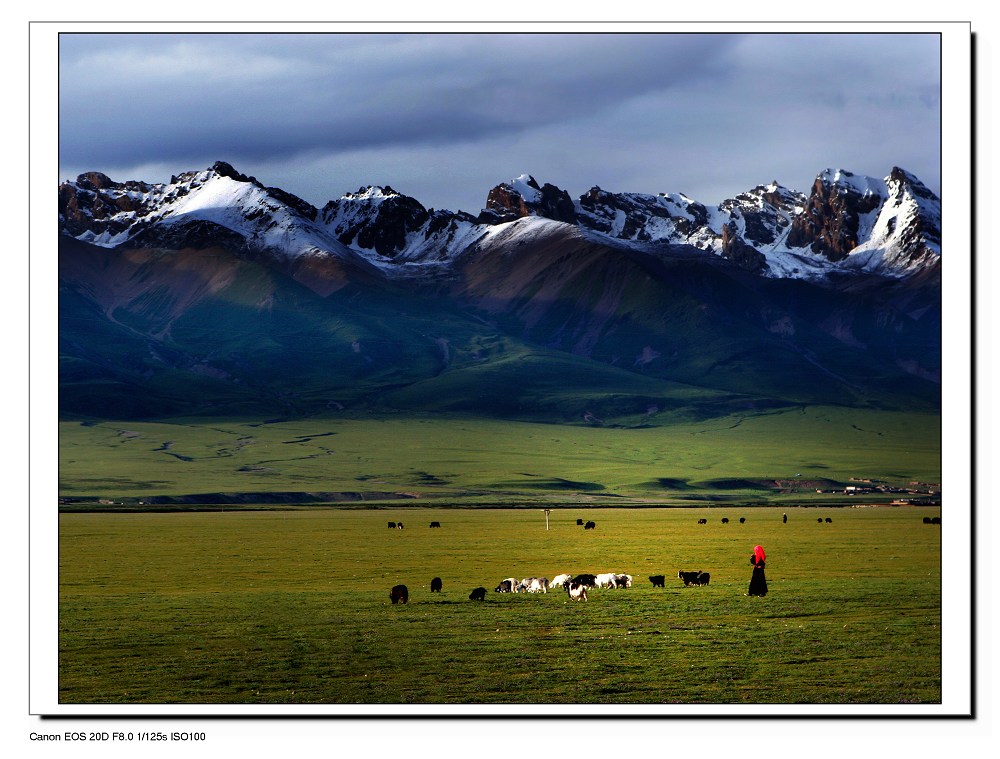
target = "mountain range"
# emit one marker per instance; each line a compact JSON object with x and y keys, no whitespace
{"x":215,"y":294}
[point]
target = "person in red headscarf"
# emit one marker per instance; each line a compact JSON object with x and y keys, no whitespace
{"x":758,"y":583}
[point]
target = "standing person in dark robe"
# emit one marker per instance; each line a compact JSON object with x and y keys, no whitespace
{"x":758,"y":583}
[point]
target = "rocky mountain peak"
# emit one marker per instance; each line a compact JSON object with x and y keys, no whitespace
{"x":95,"y":180}
{"x":833,"y":217}
{"x":224,"y":169}
{"x":901,"y":180}
{"x":375,"y":218}
{"x":889,"y":226}
{"x":525,"y":197}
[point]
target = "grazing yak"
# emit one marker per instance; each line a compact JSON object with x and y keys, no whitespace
{"x":435,"y":524}
{"x":605,"y":580}
{"x":693,"y":578}
{"x":725,"y":520}
{"x":820,"y":520}
{"x":743,"y":520}
{"x":560,"y":580}
{"x":702,"y":521}
{"x":657,"y":580}
{"x":579,"y":521}
{"x":538,"y":585}
{"x":399,"y":594}
{"x":585,"y":579}
{"x":392,"y":525}
{"x":927,"y":520}
{"x":576,"y":591}
{"x":829,"y":521}
{"x":399,"y":525}
{"x":623,"y":581}
{"x":506,"y":586}
{"x":589,"y":526}
{"x":436,"y":585}
{"x":479,"y":594}
{"x":532,"y":585}
{"x":935,"y":520}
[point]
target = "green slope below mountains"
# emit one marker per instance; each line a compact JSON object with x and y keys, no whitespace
{"x":558,"y":329}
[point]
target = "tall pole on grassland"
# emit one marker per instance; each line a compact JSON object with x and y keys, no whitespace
{"x":546,"y":518}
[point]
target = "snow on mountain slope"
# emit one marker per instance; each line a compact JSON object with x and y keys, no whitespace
{"x":890,"y":226}
{"x":191,"y":207}
{"x":905,"y":233}
{"x":393,"y":230}
{"x":847,"y":222}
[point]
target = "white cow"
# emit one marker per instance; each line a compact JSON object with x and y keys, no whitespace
{"x":607,"y":580}
{"x":538,"y":585}
{"x":560,"y":580}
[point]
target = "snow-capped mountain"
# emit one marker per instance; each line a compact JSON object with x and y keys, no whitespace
{"x":390,"y":227}
{"x":847,"y":223}
{"x":195,"y":209}
{"x":212,"y":293}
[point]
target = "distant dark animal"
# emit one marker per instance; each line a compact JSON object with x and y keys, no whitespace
{"x":576,"y":591}
{"x":579,"y":521}
{"x":725,"y":520}
{"x":935,"y":520}
{"x":392,"y":525}
{"x":506,"y":586}
{"x":436,"y":585}
{"x":829,"y":521}
{"x":585,"y":579}
{"x":702,"y":521}
{"x":479,"y":594}
{"x":743,"y":520}
{"x":927,"y":520}
{"x":435,"y":524}
{"x":623,"y":581}
{"x":657,"y":580}
{"x":399,"y":525}
{"x":399,"y":594}
{"x":820,"y":520}
{"x":693,"y":578}
{"x":784,"y":518}
{"x":687,"y":577}
{"x":589,"y":526}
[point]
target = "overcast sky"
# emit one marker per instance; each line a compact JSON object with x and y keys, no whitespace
{"x":444,"y":117}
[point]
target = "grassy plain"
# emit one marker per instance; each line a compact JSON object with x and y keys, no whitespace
{"x":463,"y":458}
{"x":292,"y":607}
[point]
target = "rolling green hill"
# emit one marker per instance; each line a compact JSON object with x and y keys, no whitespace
{"x":561,"y":331}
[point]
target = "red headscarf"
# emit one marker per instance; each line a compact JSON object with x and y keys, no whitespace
{"x":758,"y":554}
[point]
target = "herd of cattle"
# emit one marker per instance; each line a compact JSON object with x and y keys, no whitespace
{"x":575,"y":586}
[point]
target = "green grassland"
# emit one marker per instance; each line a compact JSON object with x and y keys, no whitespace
{"x":470,"y":460}
{"x":291,"y":607}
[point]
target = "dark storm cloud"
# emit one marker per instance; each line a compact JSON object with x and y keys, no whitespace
{"x":160,"y":96}
{"x":445,"y":116}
